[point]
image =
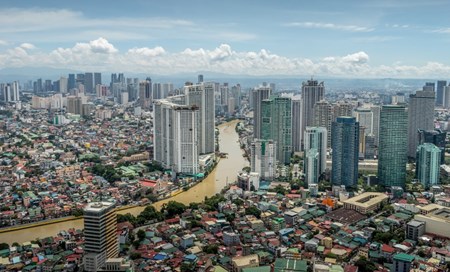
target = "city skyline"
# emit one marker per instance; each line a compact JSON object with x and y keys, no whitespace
{"x":370,"y":40}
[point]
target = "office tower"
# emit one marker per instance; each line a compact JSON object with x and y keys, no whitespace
{"x":429,"y":87}
{"x":323,"y":117}
{"x":315,"y":138}
{"x":48,"y":85}
{"x":236,"y":93}
{"x":364,"y":116}
{"x":370,"y":147}
{"x":420,"y":116}
{"x":440,"y":92}
{"x":63,"y":84}
{"x":446,"y":97}
{"x":263,"y":160}
{"x":258,"y":95}
{"x":276,"y":125}
{"x":296,"y":125}
{"x":100,"y":228}
{"x":428,"y":162}
{"x":79,"y":80}
{"x":89,"y":82}
{"x":121,"y":78}
{"x":97,"y":79}
{"x":312,"y":92}
{"x":392,"y":151}
{"x":202,"y":96}
{"x":436,"y":137}
{"x":176,"y":136}
{"x":200,"y":79}
{"x":145,"y":93}
{"x":39,"y":87}
{"x":376,"y":123}
{"x":345,"y":146}
{"x":224,"y":95}
{"x":71,"y":83}
{"x":114,"y":78}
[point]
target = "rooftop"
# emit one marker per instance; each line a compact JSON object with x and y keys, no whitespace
{"x":367,"y":199}
{"x":403,"y":257}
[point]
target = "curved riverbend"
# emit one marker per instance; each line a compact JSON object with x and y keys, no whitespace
{"x":225,"y":172}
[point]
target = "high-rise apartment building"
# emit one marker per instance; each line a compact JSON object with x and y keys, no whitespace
{"x":258,"y":95}
{"x":323,"y":117}
{"x":100,"y":232}
{"x":276,"y":125}
{"x":345,"y":146}
{"x":315,"y":139}
{"x":436,"y":137}
{"x":365,"y":118}
{"x":392,"y":155}
{"x":312,"y":92}
{"x":429,"y":87}
{"x":440,"y":92}
{"x":63,"y":85}
{"x":145,"y":93}
{"x":420,"y":116}
{"x":11,"y":92}
{"x":263,"y":160}
{"x":176,"y":136}
{"x":202,"y":96}
{"x":376,"y":123}
{"x":296,"y":125}
{"x":342,"y":108}
{"x":428,"y":162}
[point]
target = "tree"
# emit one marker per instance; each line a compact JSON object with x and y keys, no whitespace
{"x":77,"y":212}
{"x":141,"y":235}
{"x":252,"y":210}
{"x":211,"y":249}
{"x":4,"y":246}
{"x":135,"y":255}
{"x":174,"y":208}
{"x":246,"y":169}
{"x":365,"y":265}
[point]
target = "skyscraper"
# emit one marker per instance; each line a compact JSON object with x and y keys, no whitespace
{"x":97,"y":79}
{"x":429,"y":87}
{"x":436,"y":137}
{"x":323,"y":117}
{"x":312,"y":92}
{"x":342,"y":108}
{"x":89,"y":82}
{"x":345,"y":146}
{"x":200,"y":79}
{"x":145,"y":93}
{"x":63,"y":84}
{"x":392,"y":155}
{"x":428,"y":164}
{"x":71,"y":82}
{"x":258,"y":95}
{"x":202,"y":96}
{"x":296,"y":125}
{"x":315,"y":139}
{"x":263,"y":160}
{"x":176,"y":134}
{"x":446,"y":97}
{"x":365,"y":118}
{"x":100,"y":227}
{"x":376,"y":123}
{"x":420,"y":116}
{"x":276,"y":125}
{"x":440,"y":92}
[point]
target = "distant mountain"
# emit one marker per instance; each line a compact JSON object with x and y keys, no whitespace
{"x":283,"y":82}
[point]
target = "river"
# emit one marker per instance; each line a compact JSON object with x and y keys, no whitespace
{"x":225,"y":171}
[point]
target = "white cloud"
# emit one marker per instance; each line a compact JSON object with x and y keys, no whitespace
{"x":27,"y":46}
{"x":320,"y":25}
{"x":442,"y":30}
{"x":101,"y":55}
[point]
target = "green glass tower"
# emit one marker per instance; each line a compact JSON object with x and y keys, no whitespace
{"x":428,"y":162}
{"x":276,"y":125}
{"x":392,"y":150}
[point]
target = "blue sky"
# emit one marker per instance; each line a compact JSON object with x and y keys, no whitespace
{"x":330,"y":38}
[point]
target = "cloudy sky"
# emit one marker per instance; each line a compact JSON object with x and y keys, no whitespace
{"x":405,"y":39}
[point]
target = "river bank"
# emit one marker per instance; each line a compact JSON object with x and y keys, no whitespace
{"x":224,"y":173}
